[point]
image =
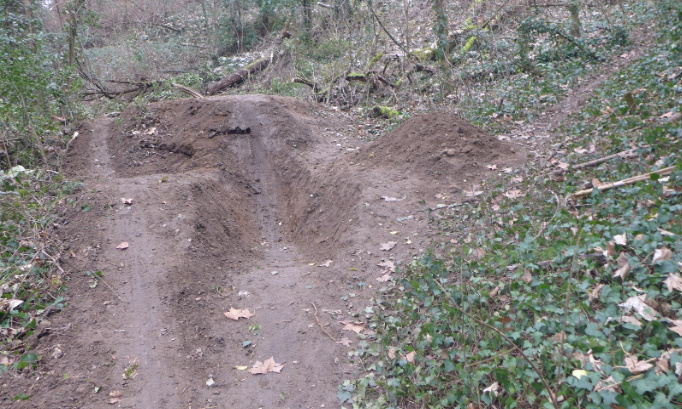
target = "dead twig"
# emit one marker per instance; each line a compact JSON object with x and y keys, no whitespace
{"x":628,"y":181}
{"x":623,"y":154}
{"x":320,"y":324}
{"x":187,"y":90}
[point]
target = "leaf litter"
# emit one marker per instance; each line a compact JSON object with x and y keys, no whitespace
{"x":267,"y":366}
{"x":235,"y":314}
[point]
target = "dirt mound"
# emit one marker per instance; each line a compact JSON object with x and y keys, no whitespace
{"x":441,"y":146}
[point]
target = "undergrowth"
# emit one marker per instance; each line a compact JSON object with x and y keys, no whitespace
{"x":548,"y":299}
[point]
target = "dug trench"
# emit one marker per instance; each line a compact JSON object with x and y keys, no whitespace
{"x":251,"y":202}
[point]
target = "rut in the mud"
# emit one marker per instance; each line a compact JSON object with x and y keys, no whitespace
{"x":249,"y":202}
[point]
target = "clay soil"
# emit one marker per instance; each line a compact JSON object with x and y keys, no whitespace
{"x":253,"y":202}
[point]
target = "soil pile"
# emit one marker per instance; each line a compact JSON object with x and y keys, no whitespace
{"x":441,"y":146}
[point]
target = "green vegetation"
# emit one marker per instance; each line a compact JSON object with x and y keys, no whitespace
{"x":36,"y":90}
{"x":552,"y":300}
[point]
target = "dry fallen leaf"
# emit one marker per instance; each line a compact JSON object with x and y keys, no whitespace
{"x":637,"y":303}
{"x":492,"y":167}
{"x":113,"y":401}
{"x":326,"y":263}
{"x":636,"y":366}
{"x":492,"y":389}
{"x":384,"y":278}
{"x":662,"y":254}
{"x":235,"y":314}
{"x":477,"y":253}
{"x":269,"y":365}
{"x":115,"y":394}
{"x":526,"y":277}
{"x":409,"y":357}
{"x":124,"y":245}
{"x":677,"y":326}
{"x":632,"y":320}
{"x":126,"y":201}
{"x":507,"y":170}
{"x":344,"y":341}
{"x":673,"y":282}
{"x":388,"y":245}
{"x":353,"y":327}
{"x":609,"y":384}
{"x":621,"y":239}
{"x":594,"y":294}
{"x":623,"y":266}
{"x":513,"y":194}
{"x":388,"y":265}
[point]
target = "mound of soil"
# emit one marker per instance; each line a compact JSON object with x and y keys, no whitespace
{"x":441,"y":146}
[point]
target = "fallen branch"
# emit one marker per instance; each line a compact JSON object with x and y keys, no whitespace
{"x":381,"y":24}
{"x":320,"y":324}
{"x":595,"y":162}
{"x":187,"y":90}
{"x":628,"y":181}
{"x":239,"y":76}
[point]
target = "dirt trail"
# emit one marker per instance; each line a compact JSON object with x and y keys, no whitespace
{"x":252,"y":202}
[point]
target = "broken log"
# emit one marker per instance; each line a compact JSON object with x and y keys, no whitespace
{"x":239,"y":76}
{"x":187,"y":90}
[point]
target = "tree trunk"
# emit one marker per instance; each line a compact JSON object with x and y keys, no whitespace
{"x":440,"y":29}
{"x":238,"y":77}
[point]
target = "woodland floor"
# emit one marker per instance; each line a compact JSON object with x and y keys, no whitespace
{"x":241,"y":202}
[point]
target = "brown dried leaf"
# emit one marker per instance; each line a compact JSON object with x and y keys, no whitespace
{"x":269,"y":365}
{"x":594,"y":294}
{"x":623,"y":266}
{"x":344,"y":341}
{"x":388,"y":265}
{"x":609,"y":384}
{"x":384,"y":278}
{"x":492,"y":167}
{"x":526,"y":277}
{"x":673,"y":282}
{"x":410,"y":357}
{"x":662,"y":254}
{"x":388,"y":245}
{"x":477,"y":253}
{"x":235,"y":314}
{"x":124,"y":245}
{"x":513,"y":194}
{"x":492,"y":389}
{"x":353,"y":327}
{"x":632,"y":320}
{"x":636,"y":366}
{"x":637,"y":303}
{"x":621,"y":239}
{"x":115,"y":394}
{"x":677,"y":326}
